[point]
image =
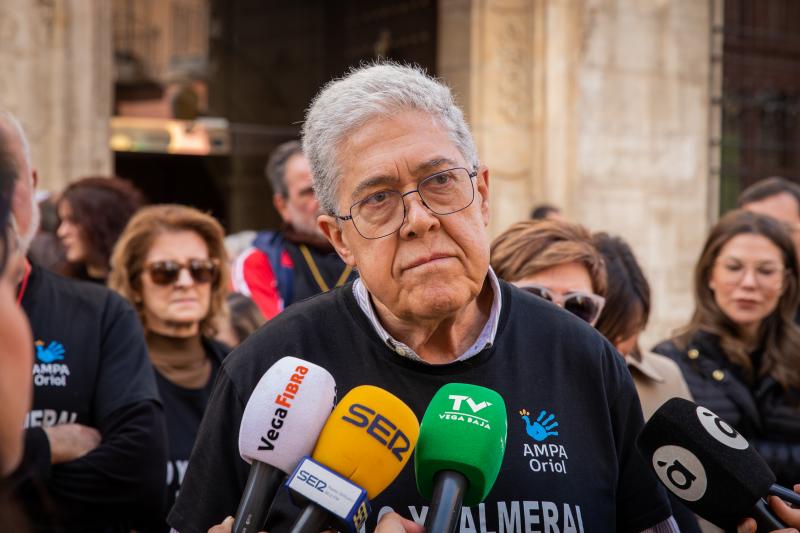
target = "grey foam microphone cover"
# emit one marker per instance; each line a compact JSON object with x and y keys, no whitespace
{"x":285,"y":413}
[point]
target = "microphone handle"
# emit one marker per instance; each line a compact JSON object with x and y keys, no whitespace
{"x":765,"y":520}
{"x":263,"y":483}
{"x":312,"y":519}
{"x":445,"y":512}
{"x":785,"y":494}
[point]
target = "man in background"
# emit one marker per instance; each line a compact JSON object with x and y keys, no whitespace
{"x":296,"y":262}
{"x":778,"y":198}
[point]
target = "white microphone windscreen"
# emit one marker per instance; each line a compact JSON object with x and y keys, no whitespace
{"x":285,"y":413}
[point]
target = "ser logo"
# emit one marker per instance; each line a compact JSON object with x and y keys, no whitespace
{"x":311,"y":480}
{"x":681,"y":472}
{"x":379,"y":428}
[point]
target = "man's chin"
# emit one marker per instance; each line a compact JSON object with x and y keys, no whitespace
{"x":431,"y":303}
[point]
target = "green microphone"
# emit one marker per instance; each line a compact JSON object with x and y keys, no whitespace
{"x":462,"y":439}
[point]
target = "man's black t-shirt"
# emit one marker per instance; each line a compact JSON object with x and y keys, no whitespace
{"x":587,"y":477}
{"x":91,"y":368}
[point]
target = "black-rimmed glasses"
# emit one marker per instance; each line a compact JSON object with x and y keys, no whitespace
{"x":383,"y":212}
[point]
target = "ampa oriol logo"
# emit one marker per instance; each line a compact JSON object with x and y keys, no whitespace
{"x":542,"y":428}
{"x":543,"y":457}
{"x":466,"y":409}
{"x":47,"y":371}
{"x":53,"y":352}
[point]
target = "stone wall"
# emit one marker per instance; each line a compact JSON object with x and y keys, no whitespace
{"x":56,"y":60}
{"x":601,"y":107}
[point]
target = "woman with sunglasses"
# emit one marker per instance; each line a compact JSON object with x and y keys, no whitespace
{"x":560,"y":262}
{"x":170,"y":262}
{"x":740,"y":352}
{"x":553,"y":260}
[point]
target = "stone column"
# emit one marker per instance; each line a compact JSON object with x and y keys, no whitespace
{"x":601,"y":107}
{"x":56,"y":60}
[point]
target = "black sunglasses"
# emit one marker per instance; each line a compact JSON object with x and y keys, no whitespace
{"x":167,"y":272}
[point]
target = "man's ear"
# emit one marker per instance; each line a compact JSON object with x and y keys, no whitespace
{"x":330,"y":227}
{"x":280,"y":202}
{"x":482,"y":188}
{"x":35,"y":176}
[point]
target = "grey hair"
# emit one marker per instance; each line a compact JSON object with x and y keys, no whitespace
{"x":276,"y":166}
{"x":7,"y":117}
{"x":382,"y":89}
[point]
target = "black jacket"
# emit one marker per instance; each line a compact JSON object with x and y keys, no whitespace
{"x":760,"y":409}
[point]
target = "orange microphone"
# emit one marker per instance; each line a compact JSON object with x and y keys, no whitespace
{"x":362,"y":448}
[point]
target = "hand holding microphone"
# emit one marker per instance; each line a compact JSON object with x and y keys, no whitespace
{"x":461,"y":445}
{"x":362,"y":448}
{"x":710,"y":467}
{"x":784,"y":513}
{"x":280,"y":425}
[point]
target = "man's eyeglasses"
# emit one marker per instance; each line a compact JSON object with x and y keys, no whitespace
{"x":585,"y":306}
{"x":383,"y":212}
{"x":168,"y":272}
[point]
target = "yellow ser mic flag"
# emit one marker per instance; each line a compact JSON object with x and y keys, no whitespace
{"x":368,"y":438}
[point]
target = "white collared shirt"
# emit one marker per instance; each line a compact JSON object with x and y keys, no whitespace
{"x":485,"y":339}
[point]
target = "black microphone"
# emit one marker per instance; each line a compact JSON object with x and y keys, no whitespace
{"x":280,"y":424}
{"x":709,"y":466}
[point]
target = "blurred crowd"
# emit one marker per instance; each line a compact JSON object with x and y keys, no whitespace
{"x":126,"y":310}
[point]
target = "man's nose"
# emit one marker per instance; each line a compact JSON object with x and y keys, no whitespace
{"x":419,"y":219}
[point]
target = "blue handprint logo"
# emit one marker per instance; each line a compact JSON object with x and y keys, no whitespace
{"x":542,"y":428}
{"x":53,"y":352}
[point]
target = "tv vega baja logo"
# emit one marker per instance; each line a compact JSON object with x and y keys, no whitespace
{"x":465,"y":410}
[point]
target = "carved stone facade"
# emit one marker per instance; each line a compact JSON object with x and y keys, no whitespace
{"x":601,"y":107}
{"x":56,"y":61}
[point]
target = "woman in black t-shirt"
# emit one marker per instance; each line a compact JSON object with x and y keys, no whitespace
{"x":170,"y":262}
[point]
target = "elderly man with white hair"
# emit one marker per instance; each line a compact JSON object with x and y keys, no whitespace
{"x":405,"y":200}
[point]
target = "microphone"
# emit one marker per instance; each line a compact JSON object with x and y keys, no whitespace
{"x":709,"y":466}
{"x":280,"y":424}
{"x":367,"y":440}
{"x":461,"y":445}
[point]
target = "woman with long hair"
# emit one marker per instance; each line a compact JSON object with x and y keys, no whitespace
{"x":93,"y":212}
{"x":170,"y":263}
{"x":740,"y":352}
